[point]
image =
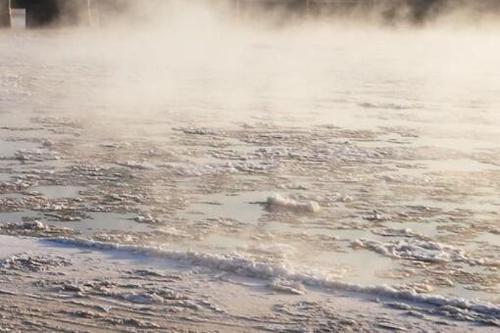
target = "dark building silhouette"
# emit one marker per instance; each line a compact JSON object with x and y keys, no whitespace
{"x":4,"y":13}
{"x":45,"y":12}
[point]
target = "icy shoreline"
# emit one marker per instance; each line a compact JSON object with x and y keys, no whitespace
{"x":481,"y":311}
{"x":112,"y":278}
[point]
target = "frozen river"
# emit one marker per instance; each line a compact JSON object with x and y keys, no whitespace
{"x":322,"y":155}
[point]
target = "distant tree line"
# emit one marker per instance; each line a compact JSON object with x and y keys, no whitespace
{"x":47,"y":12}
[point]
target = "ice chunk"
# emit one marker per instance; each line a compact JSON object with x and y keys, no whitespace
{"x":277,"y":202}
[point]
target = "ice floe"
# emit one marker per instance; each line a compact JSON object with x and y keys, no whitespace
{"x":34,"y":229}
{"x":279,"y":202}
{"x":25,"y":262}
{"x":36,"y":155}
{"x":421,"y":250}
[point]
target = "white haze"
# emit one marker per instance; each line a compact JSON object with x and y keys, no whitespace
{"x":180,"y":57}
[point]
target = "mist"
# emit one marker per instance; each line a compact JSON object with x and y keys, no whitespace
{"x":187,"y":57}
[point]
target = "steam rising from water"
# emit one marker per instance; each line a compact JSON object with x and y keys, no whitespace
{"x":190,"y":57}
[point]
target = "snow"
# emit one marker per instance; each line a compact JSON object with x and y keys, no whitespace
{"x":277,"y":202}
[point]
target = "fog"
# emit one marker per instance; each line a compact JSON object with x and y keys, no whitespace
{"x":191,"y":56}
